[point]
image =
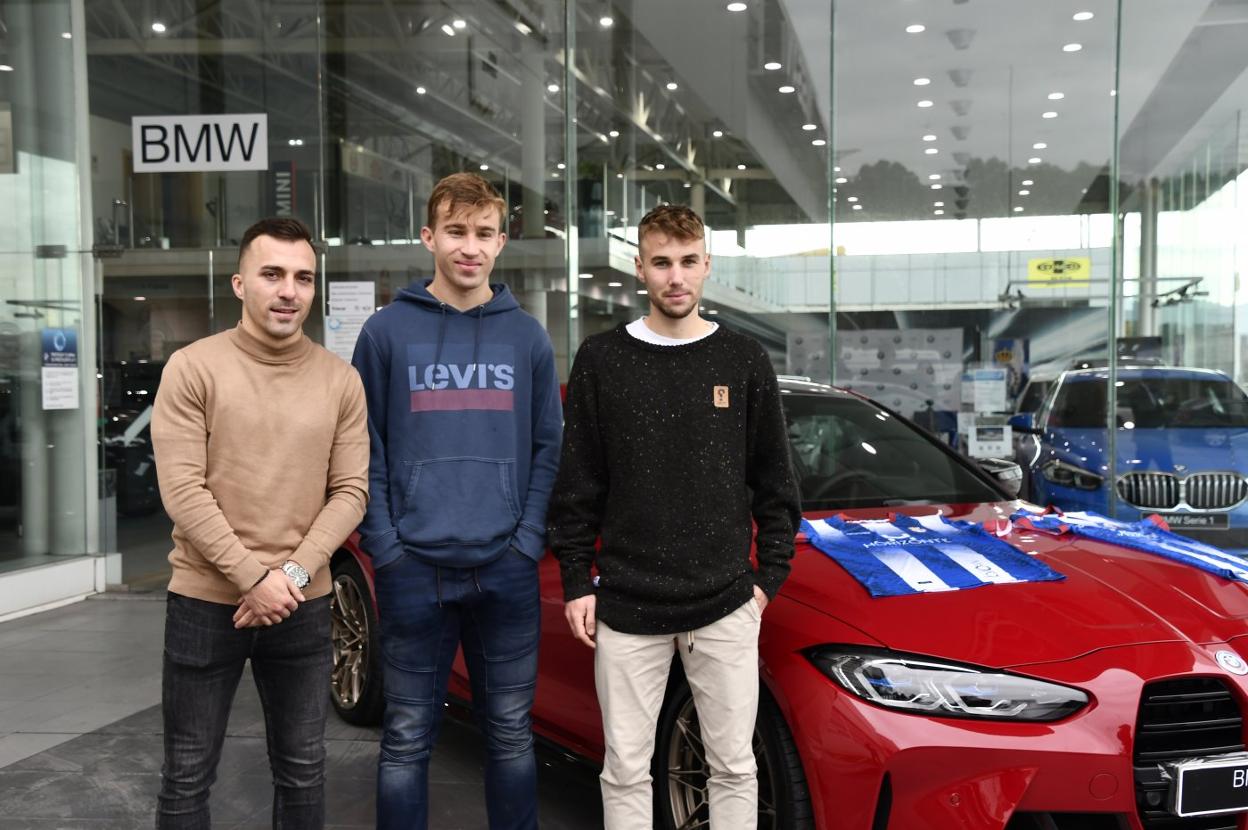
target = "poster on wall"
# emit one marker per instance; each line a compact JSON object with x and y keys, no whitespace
{"x":60,"y":368}
{"x":350,"y":304}
{"x":909,"y":371}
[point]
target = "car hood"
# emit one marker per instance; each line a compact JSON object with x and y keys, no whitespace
{"x":1112,"y":596}
{"x":1195,"y":449}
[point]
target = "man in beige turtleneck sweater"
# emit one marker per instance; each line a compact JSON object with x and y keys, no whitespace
{"x":262,"y":454}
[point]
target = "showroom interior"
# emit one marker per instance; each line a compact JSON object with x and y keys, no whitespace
{"x":936,"y":205}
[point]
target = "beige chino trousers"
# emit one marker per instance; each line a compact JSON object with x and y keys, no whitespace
{"x":721,"y":664}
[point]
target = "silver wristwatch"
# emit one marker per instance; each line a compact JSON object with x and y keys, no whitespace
{"x":296,"y":573}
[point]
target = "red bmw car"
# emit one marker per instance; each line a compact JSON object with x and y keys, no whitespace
{"x":1112,"y":699}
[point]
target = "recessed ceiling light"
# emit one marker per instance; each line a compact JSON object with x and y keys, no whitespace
{"x":552,"y":88}
{"x":459,"y":24}
{"x":450,"y":32}
{"x":933,"y":177}
{"x":915,"y":28}
{"x":931,"y":151}
{"x":929,"y":137}
{"x":736,"y":7}
{"x":158,"y":27}
{"x":713,"y":311}
{"x":688,"y":185}
{"x":772,"y":66}
{"x":561,"y":166}
{"x":586,"y":276}
{"x":1049,"y":114}
{"x":938,"y":204}
{"x":1112,"y":93}
{"x":836,"y":169}
{"x":740,"y":166}
{"x":717,"y":134}
{"x":485,"y":167}
{"x":67,"y":35}
{"x":420,"y":90}
{"x":614,"y":133}
{"x":809,"y":127}
{"x":938,"y":212}
{"x":1083,"y":16}
{"x":1072,"y":47}
{"x":660,"y":166}
{"x":1024,"y":192}
{"x":819,"y":142}
{"x":523,"y":28}
{"x":853,"y":199}
{"x":1018,"y":208}
{"x":140,"y":299}
{"x":787,"y":88}
{"x":922,"y":81}
{"x":4,"y":67}
{"x":614,"y":284}
{"x":1056,"y":96}
{"x":924,"y":104}
{"x":606,"y":22}
{"x":671,"y":86}
{"x":641,"y":291}
{"x":1034,"y":160}
{"x":1027,"y":182}
{"x":619,"y":175}
{"x":857,"y":207}
{"x":936,"y":186}
{"x":841,"y":180}
{"x":1039,"y":145}
{"x":554,"y":175}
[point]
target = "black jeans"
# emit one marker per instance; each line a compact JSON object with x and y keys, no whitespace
{"x":204,"y":658}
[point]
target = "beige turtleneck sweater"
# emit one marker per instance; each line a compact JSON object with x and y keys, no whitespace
{"x":262,"y":456}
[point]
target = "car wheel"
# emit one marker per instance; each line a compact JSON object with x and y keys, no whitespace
{"x":355,"y":686}
{"x":680,"y":769}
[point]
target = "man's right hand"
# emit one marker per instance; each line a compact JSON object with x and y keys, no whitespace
{"x":269,"y":602}
{"x":580,"y":616}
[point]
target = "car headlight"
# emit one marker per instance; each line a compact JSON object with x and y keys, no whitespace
{"x":1068,"y":475}
{"x":933,"y":687}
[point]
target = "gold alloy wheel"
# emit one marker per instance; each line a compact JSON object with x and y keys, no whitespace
{"x":349,"y":619}
{"x":687,"y":773}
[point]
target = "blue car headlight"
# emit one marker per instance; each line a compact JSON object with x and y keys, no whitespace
{"x":1068,"y":475}
{"x":924,"y":686}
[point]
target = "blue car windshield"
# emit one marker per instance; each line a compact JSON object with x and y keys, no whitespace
{"x":1152,"y":403}
{"x":846,"y":453}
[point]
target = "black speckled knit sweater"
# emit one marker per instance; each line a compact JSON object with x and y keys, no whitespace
{"x":668,"y":452}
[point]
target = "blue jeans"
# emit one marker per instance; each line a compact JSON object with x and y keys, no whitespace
{"x":204,"y":658}
{"x":426,"y":612}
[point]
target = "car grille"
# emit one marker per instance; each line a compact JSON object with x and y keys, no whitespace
{"x":1200,"y":491}
{"x":1187,"y":718}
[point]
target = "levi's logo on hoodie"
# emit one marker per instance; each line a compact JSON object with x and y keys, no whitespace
{"x":450,"y":380}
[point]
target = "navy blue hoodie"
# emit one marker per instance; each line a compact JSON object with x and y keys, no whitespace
{"x":465,"y":422}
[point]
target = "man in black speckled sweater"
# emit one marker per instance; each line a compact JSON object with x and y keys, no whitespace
{"x":674,"y":440}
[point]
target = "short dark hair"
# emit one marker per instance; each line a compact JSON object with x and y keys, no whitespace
{"x":278,"y":227}
{"x":679,"y":222}
{"x":463,"y":190}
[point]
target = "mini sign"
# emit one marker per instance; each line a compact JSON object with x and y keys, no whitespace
{"x":60,"y":368}
{"x":1051,"y":273}
{"x":200,"y":143}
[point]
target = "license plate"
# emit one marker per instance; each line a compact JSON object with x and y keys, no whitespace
{"x":1209,"y":786}
{"x":1197,"y":521}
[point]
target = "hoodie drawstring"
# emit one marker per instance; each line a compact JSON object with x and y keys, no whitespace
{"x":437,"y":353}
{"x":476,"y":580}
{"x":476,"y":343}
{"x":437,"y":571}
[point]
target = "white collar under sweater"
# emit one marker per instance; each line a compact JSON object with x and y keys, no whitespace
{"x":641,"y":331}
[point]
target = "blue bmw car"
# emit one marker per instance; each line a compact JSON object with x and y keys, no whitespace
{"x":1182,"y":449}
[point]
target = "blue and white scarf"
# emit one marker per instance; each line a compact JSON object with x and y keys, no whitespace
{"x":1145,"y":535}
{"x":908,"y":555}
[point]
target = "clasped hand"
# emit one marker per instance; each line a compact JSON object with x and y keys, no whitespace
{"x":272,"y":600}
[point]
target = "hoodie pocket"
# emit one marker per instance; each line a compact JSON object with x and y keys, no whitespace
{"x":458,"y":501}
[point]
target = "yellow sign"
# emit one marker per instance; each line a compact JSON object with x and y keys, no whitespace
{"x":1051,"y":273}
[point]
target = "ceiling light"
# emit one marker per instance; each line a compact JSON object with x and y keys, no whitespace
{"x":922,"y":81}
{"x":1072,"y":47}
{"x":158,"y":27}
{"x":554,"y":175}
{"x":939,"y":212}
{"x":936,"y":187}
{"x":841,"y":180}
{"x":924,"y":104}
{"x":295,"y":142}
{"x":552,"y":88}
{"x":1018,"y":208}
{"x":523,"y":28}
{"x":1056,"y":96}
{"x":67,"y":35}
{"x":446,"y":27}
{"x":736,"y":7}
{"x":459,"y":24}
{"x":586,"y":276}
{"x":809,"y":127}
{"x":713,"y":311}
{"x":933,"y":177}
{"x":660,"y":166}
{"x":561,"y":166}
{"x":853,"y":198}
{"x":485,"y":167}
{"x":931,"y":151}
{"x":836,"y":169}
{"x":614,"y":133}
{"x":1024,"y":192}
{"x":786,"y":89}
{"x":140,"y":299}
{"x":688,"y":185}
{"x":1027,"y":182}
{"x":619,"y":175}
{"x":606,"y":22}
{"x":614,"y":284}
{"x":772,"y":66}
{"x":671,"y":86}
{"x":1049,"y":114}
{"x":857,"y":207}
{"x":420,"y":90}
{"x":717,"y":134}
{"x":4,"y":67}
{"x":1034,"y":160}
{"x":929,"y":137}
{"x":915,"y":28}
{"x":938,"y":204}
{"x":1112,"y":93}
{"x":1083,"y":16}
{"x":740,"y":166}
{"x":641,"y":291}
{"x":819,"y":142}
{"x":1039,"y":145}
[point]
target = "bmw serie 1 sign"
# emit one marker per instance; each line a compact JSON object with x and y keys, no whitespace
{"x":200,"y":143}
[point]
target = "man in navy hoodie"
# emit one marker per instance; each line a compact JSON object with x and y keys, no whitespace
{"x":465,"y":422}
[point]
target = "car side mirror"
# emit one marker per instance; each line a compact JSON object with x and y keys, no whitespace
{"x":1007,"y":474}
{"x":1024,"y":422}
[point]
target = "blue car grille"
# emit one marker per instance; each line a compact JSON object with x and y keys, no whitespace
{"x":1199,"y":491}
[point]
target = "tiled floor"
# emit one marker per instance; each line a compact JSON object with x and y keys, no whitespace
{"x":80,"y":739}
